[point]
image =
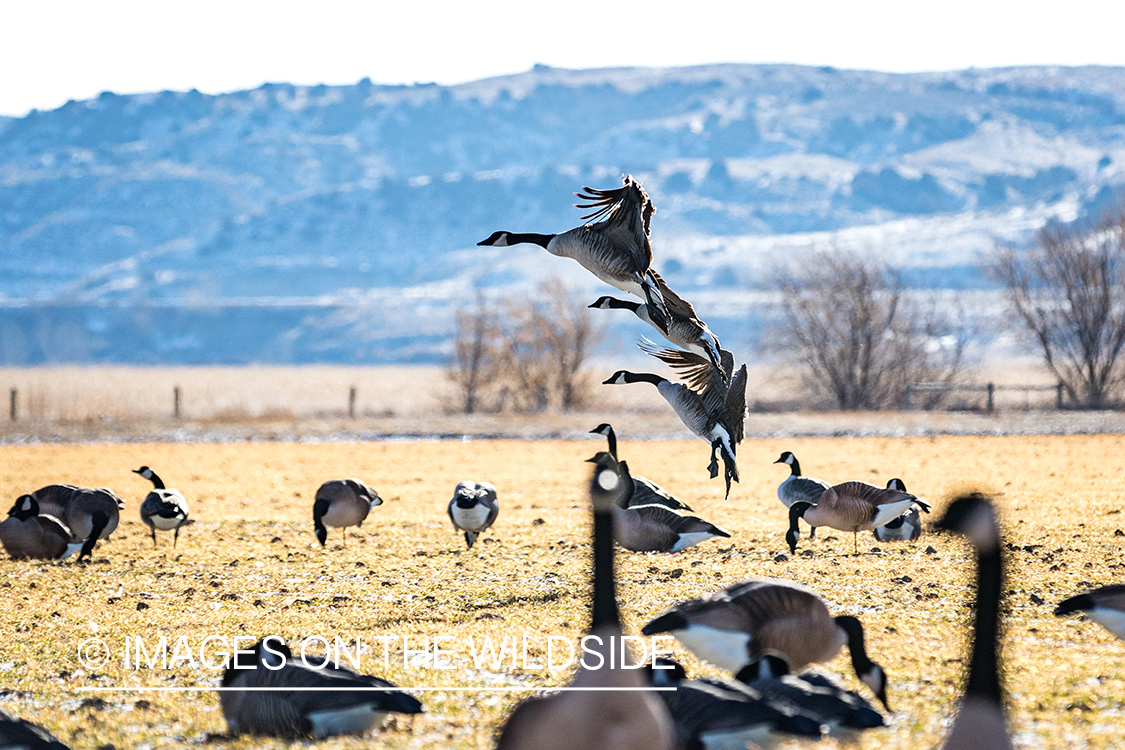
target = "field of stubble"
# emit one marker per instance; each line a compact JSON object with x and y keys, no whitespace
{"x":250,"y":566}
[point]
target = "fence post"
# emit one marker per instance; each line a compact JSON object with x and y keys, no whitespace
{"x":991,"y":401}
{"x":176,"y":402}
{"x":908,"y":397}
{"x":351,"y":403}
{"x":1059,"y":395}
{"x":13,"y":403}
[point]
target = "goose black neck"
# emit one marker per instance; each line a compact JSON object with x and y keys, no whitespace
{"x":605,"y":595}
{"x":853,"y":628}
{"x":643,"y":377}
{"x":797,"y":510}
{"x":612,"y":438}
{"x":157,"y":482}
{"x":795,"y":468}
{"x":984,"y":675}
{"x":542,"y":240}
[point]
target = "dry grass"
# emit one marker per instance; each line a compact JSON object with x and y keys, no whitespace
{"x":250,"y":566}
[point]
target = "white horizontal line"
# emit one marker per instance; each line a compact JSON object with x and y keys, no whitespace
{"x":372,"y":689}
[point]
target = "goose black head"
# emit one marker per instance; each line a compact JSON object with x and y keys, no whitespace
{"x":974,"y":517}
{"x":24,"y":508}
{"x":786,"y":458}
{"x":896,"y":484}
{"x":665,"y":672}
{"x":768,"y":666}
{"x":868,"y":672}
{"x":598,"y":457}
{"x":602,"y":303}
{"x":618,"y":378}
{"x":606,"y":486}
{"x":605,"y":428}
{"x":144,"y":471}
{"x":496,"y":239}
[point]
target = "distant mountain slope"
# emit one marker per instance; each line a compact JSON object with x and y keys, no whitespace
{"x":338,"y":223}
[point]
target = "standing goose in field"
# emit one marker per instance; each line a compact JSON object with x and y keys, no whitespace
{"x":737,"y":626}
{"x":341,"y":503}
{"x":851,"y":506}
{"x":21,"y":734}
{"x":980,"y":722}
{"x":706,"y":406}
{"x":26,"y":534}
{"x":90,"y":514}
{"x":905,"y":528}
{"x":656,"y":528}
{"x":616,"y":249}
{"x":647,"y":492}
{"x":685,"y":329}
{"x":473,"y":509}
{"x":294,"y":700}
{"x":797,"y":488}
{"x":163,"y":508}
{"x":628,"y":718}
{"x":1104,"y":605}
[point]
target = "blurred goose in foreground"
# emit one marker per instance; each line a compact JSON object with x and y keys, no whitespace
{"x":26,"y":534}
{"x":90,"y":514}
{"x":473,"y":509}
{"x":163,"y":508}
{"x":647,"y":492}
{"x":21,"y":734}
{"x":706,"y":406}
{"x":851,"y":506}
{"x":980,"y":722}
{"x":797,"y":488}
{"x":616,"y":249}
{"x":737,"y":626}
{"x":341,"y":503}
{"x":316,"y":702}
{"x":721,"y":714}
{"x":685,"y":329}
{"x":1105,"y":606}
{"x":656,"y":528}
{"x":905,"y":528}
{"x":629,"y":718}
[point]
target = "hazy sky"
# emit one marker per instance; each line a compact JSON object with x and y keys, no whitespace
{"x":55,"y":50}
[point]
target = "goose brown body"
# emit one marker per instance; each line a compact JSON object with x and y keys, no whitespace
{"x":90,"y":513}
{"x":341,"y":503}
{"x":25,"y":534}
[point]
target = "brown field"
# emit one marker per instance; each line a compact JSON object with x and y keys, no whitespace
{"x":250,"y":566}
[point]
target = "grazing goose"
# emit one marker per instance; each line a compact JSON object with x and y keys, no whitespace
{"x":980,"y":722}
{"x":905,"y":528}
{"x":715,"y":715}
{"x":797,"y":488}
{"x":628,"y":718}
{"x":685,"y":329}
{"x":341,"y":503}
{"x":616,"y":249}
{"x":315,"y":702}
{"x":647,"y":492}
{"x":851,"y":506}
{"x":737,"y":626}
{"x":707,"y":407}
{"x":90,"y":514}
{"x":21,"y":734}
{"x":26,"y":534}
{"x":1105,"y":606}
{"x":656,"y":528}
{"x":473,"y":509}
{"x":163,"y":508}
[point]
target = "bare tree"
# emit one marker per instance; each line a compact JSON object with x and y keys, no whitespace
{"x":1068,"y":289}
{"x":563,"y":320}
{"x":861,"y":340}
{"x":477,"y":358}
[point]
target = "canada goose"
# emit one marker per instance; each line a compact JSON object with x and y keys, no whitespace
{"x":816,"y":695}
{"x":714,"y":714}
{"x":735,"y":627}
{"x":656,"y":528}
{"x":851,"y":506}
{"x":163,"y":508}
{"x":616,"y":249}
{"x":629,"y":718}
{"x":90,"y":514}
{"x":317,"y":702}
{"x":341,"y":503}
{"x":980,"y":722}
{"x":26,"y":534}
{"x":647,"y":492}
{"x":685,"y":329}
{"x":473,"y":509}
{"x":1105,"y":606}
{"x":21,"y":734}
{"x":797,"y":488}
{"x":905,"y":528}
{"x":710,"y":409}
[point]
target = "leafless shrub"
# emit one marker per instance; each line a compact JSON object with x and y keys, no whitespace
{"x":1068,"y":290}
{"x":859,"y":338}
{"x":527,"y":354}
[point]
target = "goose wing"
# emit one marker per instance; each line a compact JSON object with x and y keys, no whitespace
{"x":862,"y":505}
{"x":623,"y":215}
{"x":734,"y":411}
{"x":164,"y":503}
{"x":744,"y":607}
{"x":821,"y":698}
{"x":648,"y":492}
{"x":699,"y":707}
{"x":678,"y":523}
{"x":697,"y":372}
{"x":801,"y":489}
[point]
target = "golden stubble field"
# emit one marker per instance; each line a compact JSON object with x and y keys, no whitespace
{"x":251,"y":566}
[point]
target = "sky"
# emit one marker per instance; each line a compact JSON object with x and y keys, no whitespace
{"x":55,"y":50}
